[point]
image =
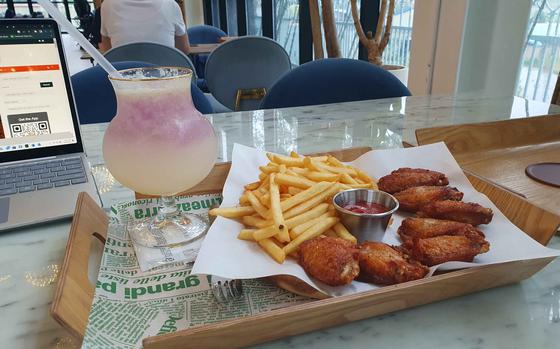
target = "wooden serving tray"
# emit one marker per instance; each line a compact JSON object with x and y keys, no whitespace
{"x":74,"y":293}
{"x":502,"y":150}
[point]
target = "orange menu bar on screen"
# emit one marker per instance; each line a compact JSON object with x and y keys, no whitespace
{"x":28,"y":68}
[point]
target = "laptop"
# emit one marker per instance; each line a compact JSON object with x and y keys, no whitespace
{"x":42,"y":161}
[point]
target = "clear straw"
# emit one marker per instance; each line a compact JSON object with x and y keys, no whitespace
{"x":64,"y":23}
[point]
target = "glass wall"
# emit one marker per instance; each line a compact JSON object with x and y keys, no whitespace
{"x":540,"y":64}
{"x":22,"y":8}
{"x":398,"y":50}
{"x":286,"y":26}
{"x":345,"y":30}
{"x":254,"y":17}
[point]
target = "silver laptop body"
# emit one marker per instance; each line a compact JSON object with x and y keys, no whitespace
{"x":42,"y":163}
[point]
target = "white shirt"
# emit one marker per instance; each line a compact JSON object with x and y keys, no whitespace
{"x":127,"y":21}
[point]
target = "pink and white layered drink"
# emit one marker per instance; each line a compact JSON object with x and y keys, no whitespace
{"x":158,"y":144}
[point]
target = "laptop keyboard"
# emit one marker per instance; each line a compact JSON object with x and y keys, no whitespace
{"x":41,"y":175}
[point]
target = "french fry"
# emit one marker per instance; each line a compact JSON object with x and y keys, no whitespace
{"x":364,"y":176}
{"x":268,"y":169}
{"x":304,"y":217}
{"x":294,"y":191}
{"x":273,"y":250}
{"x":298,"y":182}
{"x":252,"y":186}
{"x":246,"y":234}
{"x":322,"y":176}
{"x":290,"y":171}
{"x":296,"y":171}
{"x":263,"y":176}
{"x":300,"y":228}
{"x":343,"y":233}
{"x":264,"y":186}
{"x":285,"y":196}
{"x":263,"y":198}
{"x":265,"y":233}
{"x":232,"y":212}
{"x":276,"y":210}
{"x":310,"y":233}
{"x":332,"y":210}
{"x":305,"y":195}
{"x":321,"y":158}
{"x":335,"y":162}
{"x":256,"y":222}
{"x":312,"y":165}
{"x":355,"y":186}
{"x":282,"y":168}
{"x":333,"y":169}
{"x":347,"y":179}
{"x":270,"y":157}
{"x":288,"y":161}
{"x":243,"y":199}
{"x":257,"y":205}
{"x":307,"y":204}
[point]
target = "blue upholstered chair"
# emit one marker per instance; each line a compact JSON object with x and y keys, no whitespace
{"x":243,"y":69}
{"x":203,"y":34}
{"x":151,"y":53}
{"x":95,"y":98}
{"x":332,"y":81}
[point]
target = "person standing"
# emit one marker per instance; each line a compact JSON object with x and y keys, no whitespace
{"x":127,"y":21}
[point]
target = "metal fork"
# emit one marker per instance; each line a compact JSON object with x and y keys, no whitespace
{"x":226,"y":290}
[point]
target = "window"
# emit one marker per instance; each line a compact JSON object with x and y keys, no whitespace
{"x":286,"y":27}
{"x":254,"y":17}
{"x":398,"y":50}
{"x":345,"y":30}
{"x":28,"y":8}
{"x":539,"y":67}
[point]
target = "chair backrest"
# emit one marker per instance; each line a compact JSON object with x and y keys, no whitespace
{"x":332,"y":81}
{"x":95,"y":98}
{"x":248,"y":63}
{"x":82,"y":8}
{"x":150,"y":52}
{"x":204,"y":34}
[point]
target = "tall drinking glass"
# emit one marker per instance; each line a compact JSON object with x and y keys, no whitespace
{"x":159,"y":144}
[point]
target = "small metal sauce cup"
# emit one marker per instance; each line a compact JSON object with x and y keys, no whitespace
{"x":364,"y":226}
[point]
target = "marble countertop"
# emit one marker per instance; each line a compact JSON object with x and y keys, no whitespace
{"x":524,"y":315}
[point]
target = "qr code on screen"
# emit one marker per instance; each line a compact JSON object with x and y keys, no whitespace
{"x":30,"y":124}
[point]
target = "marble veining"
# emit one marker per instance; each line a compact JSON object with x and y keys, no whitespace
{"x":525,"y":315}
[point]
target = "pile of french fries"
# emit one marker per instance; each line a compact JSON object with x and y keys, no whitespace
{"x":292,"y":202}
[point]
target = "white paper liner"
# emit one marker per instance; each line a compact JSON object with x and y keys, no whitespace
{"x":224,"y":255}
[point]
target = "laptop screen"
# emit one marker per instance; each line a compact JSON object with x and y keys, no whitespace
{"x":35,"y":104}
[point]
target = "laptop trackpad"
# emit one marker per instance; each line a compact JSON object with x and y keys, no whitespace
{"x":4,"y":209}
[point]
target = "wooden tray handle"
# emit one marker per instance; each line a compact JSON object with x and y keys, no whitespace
{"x":74,"y":292}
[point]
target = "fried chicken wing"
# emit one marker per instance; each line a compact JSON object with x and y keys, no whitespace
{"x":412,"y":198}
{"x":333,"y":261}
{"x":383,"y":264}
{"x":405,"y":178}
{"x":466,"y":212}
{"x":441,"y":249}
{"x":421,"y":228}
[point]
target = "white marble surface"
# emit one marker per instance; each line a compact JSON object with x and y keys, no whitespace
{"x":525,"y":315}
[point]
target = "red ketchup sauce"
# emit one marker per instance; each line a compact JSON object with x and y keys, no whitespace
{"x":366,"y":207}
